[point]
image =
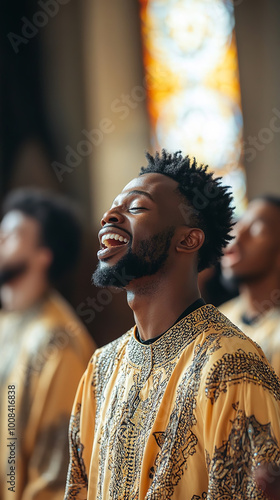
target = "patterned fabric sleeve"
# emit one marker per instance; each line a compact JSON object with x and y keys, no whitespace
{"x":241,"y":424}
{"x":81,"y":432}
{"x":48,"y":400}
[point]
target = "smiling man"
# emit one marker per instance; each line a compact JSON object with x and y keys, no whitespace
{"x":183,"y":406}
{"x":253,"y":260}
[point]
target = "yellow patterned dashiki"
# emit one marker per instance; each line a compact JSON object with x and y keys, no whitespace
{"x":265,"y":330}
{"x":44,"y":352}
{"x":188,"y":417}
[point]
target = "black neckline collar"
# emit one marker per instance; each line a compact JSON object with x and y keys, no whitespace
{"x":145,"y":358}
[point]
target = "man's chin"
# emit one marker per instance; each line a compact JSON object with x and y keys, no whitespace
{"x":234,"y":273}
{"x":115,"y":276}
{"x":120,"y":275}
{"x":104,"y":276}
{"x":244,"y":278}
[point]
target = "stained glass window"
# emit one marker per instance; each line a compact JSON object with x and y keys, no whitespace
{"x":191,"y":67}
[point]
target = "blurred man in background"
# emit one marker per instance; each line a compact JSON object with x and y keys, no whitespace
{"x":44,"y":348}
{"x":253,"y":260}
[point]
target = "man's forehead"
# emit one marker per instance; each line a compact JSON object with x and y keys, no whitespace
{"x":151,"y":183}
{"x":261,"y":207}
{"x":12,"y":220}
{"x":15,"y":219}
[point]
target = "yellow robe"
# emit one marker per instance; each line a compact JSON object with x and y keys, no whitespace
{"x":44,"y":352}
{"x":265,"y":330}
{"x":188,"y":417}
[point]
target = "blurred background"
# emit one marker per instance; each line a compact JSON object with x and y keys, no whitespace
{"x":87,"y":86}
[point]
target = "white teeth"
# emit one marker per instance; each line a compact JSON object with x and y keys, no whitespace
{"x":113,"y":236}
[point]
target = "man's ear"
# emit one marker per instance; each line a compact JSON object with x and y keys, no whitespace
{"x":191,"y":240}
{"x":45,"y":257}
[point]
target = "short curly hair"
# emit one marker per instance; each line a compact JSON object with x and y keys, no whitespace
{"x":206,"y":202}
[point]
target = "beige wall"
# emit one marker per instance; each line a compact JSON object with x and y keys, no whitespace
{"x":258,"y":42}
{"x":115,"y":97}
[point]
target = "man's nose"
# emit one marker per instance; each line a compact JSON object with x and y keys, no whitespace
{"x":112,"y":216}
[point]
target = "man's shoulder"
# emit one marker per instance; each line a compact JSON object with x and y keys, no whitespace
{"x":209,"y":319}
{"x":219,"y":334}
{"x":113,"y":349}
{"x":57,"y":324}
{"x":56,"y":310}
{"x":57,"y":313}
{"x":231,"y":305}
{"x":229,"y":358}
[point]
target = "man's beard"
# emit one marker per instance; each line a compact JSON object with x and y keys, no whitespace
{"x":147,"y":260}
{"x":12,"y":271}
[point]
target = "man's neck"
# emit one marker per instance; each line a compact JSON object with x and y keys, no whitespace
{"x":260,"y":296}
{"x":157,"y":305}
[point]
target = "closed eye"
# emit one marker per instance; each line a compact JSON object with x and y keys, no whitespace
{"x":132,"y":209}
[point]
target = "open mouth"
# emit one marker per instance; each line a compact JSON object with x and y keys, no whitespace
{"x":231,"y":256}
{"x":110,"y":240}
{"x":111,"y":243}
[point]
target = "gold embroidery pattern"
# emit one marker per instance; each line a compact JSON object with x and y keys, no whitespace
{"x":178,"y":442}
{"x":232,"y":368}
{"x":77,"y":478}
{"x":167,"y":348}
{"x":184,"y":448}
{"x":233,"y":464}
{"x":125,"y":429}
{"x":129,"y":422}
{"x":125,"y":433}
{"x":105,"y":360}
